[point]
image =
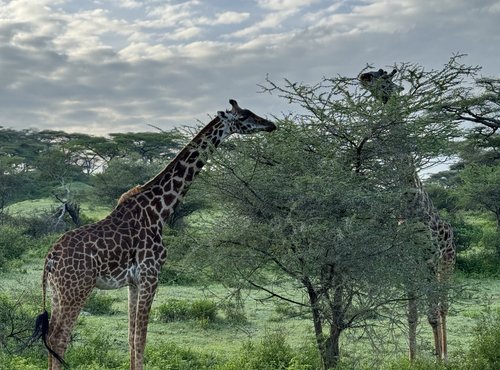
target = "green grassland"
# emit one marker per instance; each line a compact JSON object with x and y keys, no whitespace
{"x":225,"y":339}
{"x":42,"y":205}
{"x":100,"y":340}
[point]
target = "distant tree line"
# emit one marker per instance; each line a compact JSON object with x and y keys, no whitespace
{"x":35,"y":164}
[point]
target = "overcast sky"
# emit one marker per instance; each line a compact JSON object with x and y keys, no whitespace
{"x":119,"y":65}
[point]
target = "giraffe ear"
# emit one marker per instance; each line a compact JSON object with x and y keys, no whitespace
{"x":221,"y":114}
{"x":234,"y":104}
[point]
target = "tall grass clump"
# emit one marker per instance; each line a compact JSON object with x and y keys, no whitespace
{"x":272,"y":353}
{"x":173,"y":357}
{"x":181,"y":310}
{"x":99,"y":303}
{"x":484,"y":352}
{"x":13,"y":243}
{"x":17,"y":317}
{"x":93,"y":349}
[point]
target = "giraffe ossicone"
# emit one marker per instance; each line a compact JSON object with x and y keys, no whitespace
{"x":125,"y":248}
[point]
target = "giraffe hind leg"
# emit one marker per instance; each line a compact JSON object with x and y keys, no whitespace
{"x":41,"y":331}
{"x":63,"y":319}
{"x":433,"y":317}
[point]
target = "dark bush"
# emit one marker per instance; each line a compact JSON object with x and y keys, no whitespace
{"x":171,"y":356}
{"x":272,"y":353}
{"x":172,"y":276}
{"x":179,"y":310}
{"x":94,"y":349}
{"x":484,"y":352}
{"x":100,"y":303}
{"x":13,"y":243}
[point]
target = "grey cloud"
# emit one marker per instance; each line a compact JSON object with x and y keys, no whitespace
{"x":107,"y":89}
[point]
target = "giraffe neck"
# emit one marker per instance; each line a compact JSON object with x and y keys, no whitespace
{"x":418,"y":205}
{"x":162,"y":194}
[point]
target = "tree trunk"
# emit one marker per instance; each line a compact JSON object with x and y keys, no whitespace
{"x":332,"y":344}
{"x":316,"y":314}
{"x":412,"y":316}
{"x":331,"y":355}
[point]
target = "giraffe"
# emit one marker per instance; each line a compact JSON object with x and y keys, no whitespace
{"x":440,"y":263}
{"x":441,"y":259}
{"x":125,"y":248}
{"x":380,"y":84}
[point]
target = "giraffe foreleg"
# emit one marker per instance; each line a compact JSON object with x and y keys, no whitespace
{"x":144,"y":302}
{"x":133,"y":297}
{"x":433,"y":317}
{"x":444,"y":344}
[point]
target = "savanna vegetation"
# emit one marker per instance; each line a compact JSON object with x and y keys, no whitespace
{"x":287,"y":253}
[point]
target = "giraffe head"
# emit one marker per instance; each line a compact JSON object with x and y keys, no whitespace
{"x":244,"y":121}
{"x":380,"y":84}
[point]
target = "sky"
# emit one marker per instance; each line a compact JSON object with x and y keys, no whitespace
{"x":123,"y":65}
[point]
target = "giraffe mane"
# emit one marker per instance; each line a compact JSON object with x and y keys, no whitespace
{"x":135,"y":190}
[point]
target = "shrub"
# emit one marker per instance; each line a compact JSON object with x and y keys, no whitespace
{"x":419,"y":364}
{"x":484,"y":352}
{"x":173,"y":357}
{"x":480,"y":263}
{"x":13,"y":243}
{"x":181,"y":309}
{"x":234,"y":312}
{"x":272,"y":353}
{"x":203,"y":310}
{"x":171,"y":276}
{"x":94,"y":348}
{"x":14,"y":362}
{"x":99,"y":303}
{"x":16,"y":320}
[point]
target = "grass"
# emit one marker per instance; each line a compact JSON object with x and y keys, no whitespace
{"x":226,"y":338}
{"x":223,"y":337}
{"x":42,"y":205}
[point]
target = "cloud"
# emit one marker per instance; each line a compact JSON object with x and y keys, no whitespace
{"x":281,"y":5}
{"x":118,"y":67}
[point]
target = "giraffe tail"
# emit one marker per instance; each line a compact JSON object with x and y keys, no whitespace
{"x":42,"y":323}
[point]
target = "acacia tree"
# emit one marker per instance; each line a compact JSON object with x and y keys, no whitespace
{"x":323,"y":196}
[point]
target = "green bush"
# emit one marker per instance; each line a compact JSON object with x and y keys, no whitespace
{"x":181,"y":309}
{"x":41,"y":245}
{"x":480,"y":263}
{"x":15,"y":362}
{"x":419,"y":364}
{"x":234,"y":312}
{"x":13,"y":243}
{"x":272,"y":353}
{"x":17,"y":319}
{"x":484,"y":352}
{"x":99,"y":303}
{"x":171,"y":356}
{"x":171,"y":276}
{"x":93,"y":348}
{"x":204,"y":310}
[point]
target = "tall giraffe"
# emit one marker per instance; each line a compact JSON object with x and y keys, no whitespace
{"x":125,"y":248}
{"x":440,"y":259}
